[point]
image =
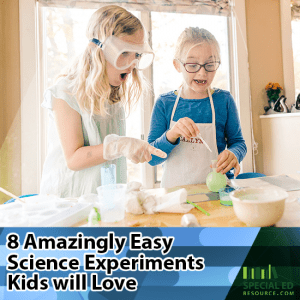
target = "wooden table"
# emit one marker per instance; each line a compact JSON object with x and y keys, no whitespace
{"x":220,"y":215}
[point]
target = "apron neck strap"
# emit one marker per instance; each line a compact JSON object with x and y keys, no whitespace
{"x":210,"y":100}
{"x":212,"y":106}
{"x":176,"y":102}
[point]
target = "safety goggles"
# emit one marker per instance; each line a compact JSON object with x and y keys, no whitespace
{"x":122,"y":54}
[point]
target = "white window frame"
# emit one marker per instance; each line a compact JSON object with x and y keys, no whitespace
{"x":148,"y":175}
{"x":287,"y":52}
{"x":240,"y":76}
{"x":32,"y":126}
{"x":33,"y":135}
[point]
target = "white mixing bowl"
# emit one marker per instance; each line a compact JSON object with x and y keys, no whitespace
{"x":259,"y":207}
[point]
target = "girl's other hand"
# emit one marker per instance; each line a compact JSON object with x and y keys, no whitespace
{"x":184,"y":127}
{"x":143,"y":153}
{"x":226,"y":161}
{"x":138,"y":151}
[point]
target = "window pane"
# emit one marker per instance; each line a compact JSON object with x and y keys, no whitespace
{"x":296,"y":53}
{"x":64,"y":39}
{"x":166,"y":28}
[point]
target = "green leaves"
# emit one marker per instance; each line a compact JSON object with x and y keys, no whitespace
{"x":273,"y":95}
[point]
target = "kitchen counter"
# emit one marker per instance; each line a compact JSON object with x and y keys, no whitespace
{"x":220,"y":215}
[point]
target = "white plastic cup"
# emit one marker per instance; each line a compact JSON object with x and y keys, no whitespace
{"x":112,"y":202}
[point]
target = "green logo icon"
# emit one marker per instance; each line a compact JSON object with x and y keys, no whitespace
{"x":264,"y":281}
{"x":260,"y":273}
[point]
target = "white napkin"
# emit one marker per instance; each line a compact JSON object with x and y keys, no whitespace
{"x":141,"y":201}
{"x":174,"y":202}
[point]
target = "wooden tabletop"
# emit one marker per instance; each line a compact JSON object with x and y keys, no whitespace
{"x":220,"y":215}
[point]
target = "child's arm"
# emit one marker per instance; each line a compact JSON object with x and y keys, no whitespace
{"x":233,"y":131}
{"x":69,"y":126}
{"x":78,"y":156}
{"x":236,"y":146}
{"x":157,"y":134}
{"x":164,"y":139}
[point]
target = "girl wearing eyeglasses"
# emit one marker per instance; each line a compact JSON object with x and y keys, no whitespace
{"x":184,"y":120}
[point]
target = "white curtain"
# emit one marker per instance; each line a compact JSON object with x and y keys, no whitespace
{"x":209,"y":7}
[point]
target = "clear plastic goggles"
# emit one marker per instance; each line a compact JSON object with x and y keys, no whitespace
{"x":122,"y":55}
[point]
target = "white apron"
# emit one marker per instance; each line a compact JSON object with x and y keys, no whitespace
{"x":189,"y":162}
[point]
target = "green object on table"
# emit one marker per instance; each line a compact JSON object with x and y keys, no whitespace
{"x":224,"y":196}
{"x":98,"y":214}
{"x":198,"y":207}
{"x":214,"y":180}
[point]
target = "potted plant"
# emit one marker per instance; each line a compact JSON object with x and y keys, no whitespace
{"x":273,"y":91}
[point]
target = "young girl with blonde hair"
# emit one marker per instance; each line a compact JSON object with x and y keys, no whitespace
{"x":86,"y":106}
{"x":183,"y":120}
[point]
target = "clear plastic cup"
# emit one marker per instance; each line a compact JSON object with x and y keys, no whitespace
{"x":112,"y":202}
{"x":224,"y":196}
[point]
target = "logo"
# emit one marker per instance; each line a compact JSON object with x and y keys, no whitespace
{"x":265,"y":281}
{"x":259,"y":273}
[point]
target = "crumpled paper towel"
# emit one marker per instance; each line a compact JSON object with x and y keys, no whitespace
{"x":134,"y":186}
{"x":140,"y":201}
{"x":133,"y":203}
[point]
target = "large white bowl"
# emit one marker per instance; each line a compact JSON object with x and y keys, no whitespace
{"x":259,"y":207}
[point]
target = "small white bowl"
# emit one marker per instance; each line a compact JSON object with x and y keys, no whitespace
{"x":259,"y":207}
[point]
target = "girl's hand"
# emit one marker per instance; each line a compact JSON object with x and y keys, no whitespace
{"x":138,"y":151}
{"x":226,"y":161}
{"x":184,"y":127}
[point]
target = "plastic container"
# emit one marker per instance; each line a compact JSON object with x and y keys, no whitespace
{"x":43,"y":211}
{"x":112,"y":202}
{"x":108,"y":174}
{"x":224,"y":196}
{"x":65,"y":216}
{"x":214,"y":180}
{"x":39,"y":203}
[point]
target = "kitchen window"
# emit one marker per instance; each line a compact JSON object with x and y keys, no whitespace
{"x":59,"y":34}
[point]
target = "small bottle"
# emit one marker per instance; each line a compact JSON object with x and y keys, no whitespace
{"x":214,"y":180}
{"x":93,"y":219}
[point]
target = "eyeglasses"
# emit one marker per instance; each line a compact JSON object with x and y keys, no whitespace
{"x":194,"y":68}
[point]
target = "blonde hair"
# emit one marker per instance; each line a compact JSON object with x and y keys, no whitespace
{"x":88,"y":72}
{"x":196,"y":35}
